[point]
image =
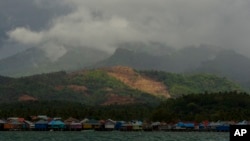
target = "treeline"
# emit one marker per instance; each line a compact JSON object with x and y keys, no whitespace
{"x":193,"y":107}
{"x":66,"y":109}
{"x":197,"y":107}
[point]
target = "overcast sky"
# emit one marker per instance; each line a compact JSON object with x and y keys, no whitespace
{"x":103,"y":24}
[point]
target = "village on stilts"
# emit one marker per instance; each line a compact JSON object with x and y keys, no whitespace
{"x":45,"y":123}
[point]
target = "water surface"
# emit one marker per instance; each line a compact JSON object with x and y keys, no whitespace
{"x":113,"y":136}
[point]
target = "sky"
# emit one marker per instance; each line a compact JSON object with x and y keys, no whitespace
{"x":54,"y":25}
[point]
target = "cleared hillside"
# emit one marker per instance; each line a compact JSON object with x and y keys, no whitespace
{"x":133,"y":79}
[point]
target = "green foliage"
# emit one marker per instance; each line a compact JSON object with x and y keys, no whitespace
{"x":97,"y":79}
{"x":179,"y":84}
{"x":198,"y":107}
{"x":98,"y":86}
{"x":193,"y":107}
{"x":56,"y":86}
{"x":67,"y":109}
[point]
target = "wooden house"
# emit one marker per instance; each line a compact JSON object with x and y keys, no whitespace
{"x":41,"y":125}
{"x":244,"y":122}
{"x":13,"y":124}
{"x":28,"y":125}
{"x":136,"y":125}
{"x":147,"y":126}
{"x":187,"y":125}
{"x":127,"y":126}
{"x":119,"y":125}
{"x":109,"y":125}
{"x":56,"y":125}
{"x":73,"y":124}
{"x":165,"y":126}
{"x":2,"y":122}
{"x":76,"y":126}
{"x":91,"y":124}
{"x":43,"y":117}
{"x":156,"y":125}
{"x":214,"y":125}
{"x":223,"y":128}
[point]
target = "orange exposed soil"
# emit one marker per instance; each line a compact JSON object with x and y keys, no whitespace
{"x":26,"y":98}
{"x":131,"y":78}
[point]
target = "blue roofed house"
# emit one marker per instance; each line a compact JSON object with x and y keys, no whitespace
{"x":181,"y":125}
{"x":57,"y":125}
{"x":41,"y":125}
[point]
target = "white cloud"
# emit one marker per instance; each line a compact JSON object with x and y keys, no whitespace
{"x":178,"y":23}
{"x":25,"y":36}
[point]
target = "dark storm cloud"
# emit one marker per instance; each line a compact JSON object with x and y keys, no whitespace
{"x":31,"y":14}
{"x":104,"y":24}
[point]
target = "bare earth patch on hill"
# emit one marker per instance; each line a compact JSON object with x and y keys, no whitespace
{"x":26,"y":98}
{"x":131,"y":78}
{"x":113,"y":99}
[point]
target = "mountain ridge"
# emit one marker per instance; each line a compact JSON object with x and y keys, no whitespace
{"x":140,"y":56}
{"x":114,"y":85}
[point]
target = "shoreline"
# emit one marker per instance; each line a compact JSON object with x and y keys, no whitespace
{"x":103,"y":130}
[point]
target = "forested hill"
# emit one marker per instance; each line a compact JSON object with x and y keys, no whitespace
{"x":226,"y":106}
{"x":179,"y":84}
{"x":106,"y":86}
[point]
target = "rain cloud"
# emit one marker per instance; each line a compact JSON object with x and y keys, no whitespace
{"x":105,"y":24}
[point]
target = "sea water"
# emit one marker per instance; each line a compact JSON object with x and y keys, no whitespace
{"x":112,"y":136}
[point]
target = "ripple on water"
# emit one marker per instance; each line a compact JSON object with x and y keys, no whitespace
{"x":113,"y":136}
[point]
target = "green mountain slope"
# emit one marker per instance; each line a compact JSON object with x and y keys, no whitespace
{"x":203,"y":59}
{"x":109,"y":86}
{"x":160,"y":57}
{"x":229,"y":64}
{"x":89,"y":87}
{"x":179,"y":84}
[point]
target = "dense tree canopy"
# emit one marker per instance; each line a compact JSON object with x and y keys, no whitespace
{"x":193,"y":107}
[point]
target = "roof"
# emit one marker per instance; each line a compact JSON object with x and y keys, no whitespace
{"x":28,"y":122}
{"x":56,"y":122}
{"x":75,"y":123}
{"x":2,"y":121}
{"x":42,"y":122}
{"x":15,"y":122}
{"x":91,"y":121}
{"x":42,"y":117}
{"x":110,"y":121}
{"x":71,"y":120}
{"x":84,"y":120}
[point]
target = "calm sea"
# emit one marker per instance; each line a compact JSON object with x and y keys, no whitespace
{"x":113,"y":136}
